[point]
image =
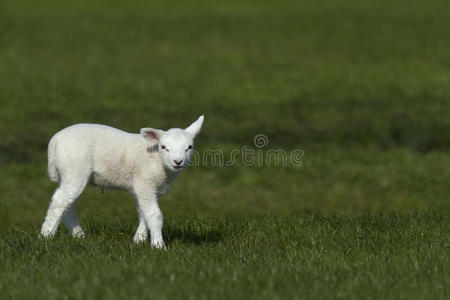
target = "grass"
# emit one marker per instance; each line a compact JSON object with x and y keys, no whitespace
{"x":362,"y":88}
{"x":389,"y":256}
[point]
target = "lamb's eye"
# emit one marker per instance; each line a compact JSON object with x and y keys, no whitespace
{"x":163,"y":147}
{"x":189,"y":148}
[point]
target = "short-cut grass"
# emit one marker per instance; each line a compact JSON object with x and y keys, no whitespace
{"x":361,"y":87}
{"x":358,"y":256}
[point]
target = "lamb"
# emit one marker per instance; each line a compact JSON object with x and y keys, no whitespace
{"x":144,"y":165}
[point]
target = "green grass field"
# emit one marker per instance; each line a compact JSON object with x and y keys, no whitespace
{"x":361,"y":87}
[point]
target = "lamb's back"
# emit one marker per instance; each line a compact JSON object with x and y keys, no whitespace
{"x":107,"y":154}
{"x":90,"y":142}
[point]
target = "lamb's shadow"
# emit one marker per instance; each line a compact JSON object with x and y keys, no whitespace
{"x":191,"y":231}
{"x":192,"y":235}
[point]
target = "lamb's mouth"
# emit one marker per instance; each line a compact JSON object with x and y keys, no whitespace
{"x":177,"y":167}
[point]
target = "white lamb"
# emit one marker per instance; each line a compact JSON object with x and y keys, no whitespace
{"x":144,"y":164}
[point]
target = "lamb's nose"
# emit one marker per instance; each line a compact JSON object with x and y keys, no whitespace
{"x":178,"y":162}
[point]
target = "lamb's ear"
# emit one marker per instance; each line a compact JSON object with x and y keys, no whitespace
{"x":195,"y":127}
{"x":151,"y":134}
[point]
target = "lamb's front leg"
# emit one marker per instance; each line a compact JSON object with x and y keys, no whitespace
{"x":142,"y":230}
{"x":148,"y":208}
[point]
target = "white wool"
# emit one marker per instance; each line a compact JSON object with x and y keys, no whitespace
{"x":144,"y":164}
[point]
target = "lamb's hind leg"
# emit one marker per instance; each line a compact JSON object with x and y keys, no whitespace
{"x":63,"y":199}
{"x":71,"y":222}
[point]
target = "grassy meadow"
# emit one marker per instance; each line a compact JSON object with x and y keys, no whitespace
{"x":361,"y":87}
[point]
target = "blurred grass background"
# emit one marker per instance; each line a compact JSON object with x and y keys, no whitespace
{"x":362,"y":87}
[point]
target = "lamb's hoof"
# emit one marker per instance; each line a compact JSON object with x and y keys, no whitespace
{"x":139,"y":238}
{"x":159,"y":245}
{"x":78,"y":235}
{"x":45,"y":235}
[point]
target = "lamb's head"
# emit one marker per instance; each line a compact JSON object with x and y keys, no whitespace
{"x":175,"y":145}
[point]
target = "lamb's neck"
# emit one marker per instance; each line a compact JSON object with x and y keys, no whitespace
{"x":171,"y":175}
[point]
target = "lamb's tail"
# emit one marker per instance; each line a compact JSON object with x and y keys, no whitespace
{"x":52,"y":170}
